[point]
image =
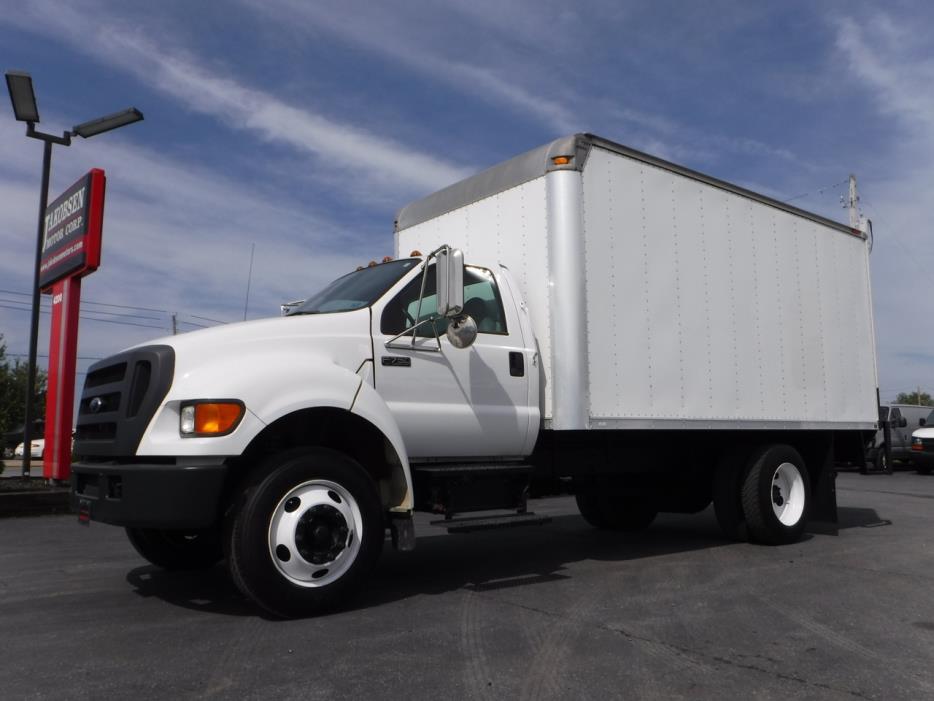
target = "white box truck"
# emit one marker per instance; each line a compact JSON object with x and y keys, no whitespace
{"x":583,"y":317}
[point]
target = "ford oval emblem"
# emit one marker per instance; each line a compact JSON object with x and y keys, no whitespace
{"x":95,"y":405}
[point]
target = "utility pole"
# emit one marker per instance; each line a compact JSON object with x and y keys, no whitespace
{"x":249,"y":279}
{"x":853,"y":203}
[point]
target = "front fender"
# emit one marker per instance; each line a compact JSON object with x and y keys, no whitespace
{"x":279,"y":387}
{"x":369,"y":405}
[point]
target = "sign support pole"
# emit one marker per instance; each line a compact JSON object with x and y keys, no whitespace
{"x":60,"y":399}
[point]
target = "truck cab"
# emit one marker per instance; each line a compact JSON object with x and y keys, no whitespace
{"x":178,"y":438}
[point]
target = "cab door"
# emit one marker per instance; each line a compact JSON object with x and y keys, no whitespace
{"x":452,"y":402}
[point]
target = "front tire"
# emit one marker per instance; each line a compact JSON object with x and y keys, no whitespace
{"x":177,"y":550}
{"x":307,"y":533}
{"x":776,"y":496}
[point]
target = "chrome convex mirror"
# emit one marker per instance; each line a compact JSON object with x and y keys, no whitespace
{"x":462,"y":331}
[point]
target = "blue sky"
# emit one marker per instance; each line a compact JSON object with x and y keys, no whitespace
{"x":303,"y":126}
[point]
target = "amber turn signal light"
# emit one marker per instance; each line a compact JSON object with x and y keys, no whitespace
{"x":210,"y":418}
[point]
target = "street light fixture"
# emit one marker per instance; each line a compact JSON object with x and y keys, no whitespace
{"x":25,"y":109}
{"x":21,"y":95}
{"x":111,"y":121}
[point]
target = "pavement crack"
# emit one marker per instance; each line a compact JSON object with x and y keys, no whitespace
{"x":691,"y":655}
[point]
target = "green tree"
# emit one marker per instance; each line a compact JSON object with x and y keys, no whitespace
{"x":912,"y":398}
{"x":13,"y":379}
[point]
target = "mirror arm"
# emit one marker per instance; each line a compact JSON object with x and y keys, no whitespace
{"x":421,"y":296}
{"x":411,"y":330}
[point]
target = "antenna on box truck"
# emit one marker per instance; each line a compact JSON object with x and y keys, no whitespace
{"x":853,"y":203}
{"x":857,"y":220}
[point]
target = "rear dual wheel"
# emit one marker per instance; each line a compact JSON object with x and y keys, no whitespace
{"x":767,"y":499}
{"x":306,"y":533}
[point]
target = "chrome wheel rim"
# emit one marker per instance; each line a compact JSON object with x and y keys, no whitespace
{"x":315,"y":533}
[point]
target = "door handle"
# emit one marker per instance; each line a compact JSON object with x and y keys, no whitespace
{"x":516,"y":364}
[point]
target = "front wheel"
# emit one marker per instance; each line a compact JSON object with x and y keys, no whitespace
{"x":776,"y":496}
{"x":307,"y":533}
{"x":177,"y":550}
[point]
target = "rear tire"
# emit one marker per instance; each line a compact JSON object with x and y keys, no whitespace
{"x":776,"y":496}
{"x":177,"y":550}
{"x":607,"y":509}
{"x":881,"y":463}
{"x":306,"y":533}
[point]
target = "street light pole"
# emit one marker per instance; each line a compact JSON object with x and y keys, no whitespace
{"x":25,"y":109}
{"x":34,"y":325}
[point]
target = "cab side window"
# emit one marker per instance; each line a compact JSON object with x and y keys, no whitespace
{"x":481,"y":300}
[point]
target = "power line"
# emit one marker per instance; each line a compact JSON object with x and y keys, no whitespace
{"x":818,"y":191}
{"x":90,"y":311}
{"x":45,"y":300}
{"x":91,"y":318}
{"x":40,"y":355}
{"x":205,"y":318}
{"x":88,"y":301}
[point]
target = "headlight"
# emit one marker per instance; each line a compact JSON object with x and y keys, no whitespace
{"x":209,"y":417}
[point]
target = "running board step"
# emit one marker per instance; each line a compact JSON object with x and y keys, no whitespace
{"x":488,"y":523}
{"x":473,"y":469}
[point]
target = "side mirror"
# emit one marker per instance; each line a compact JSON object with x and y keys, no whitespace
{"x":902,"y":422}
{"x":287,"y":307}
{"x":922,"y":422}
{"x":449,"y":269}
{"x":462,"y":331}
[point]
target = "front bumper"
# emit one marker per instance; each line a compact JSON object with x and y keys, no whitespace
{"x":169,"y":496}
{"x":923,"y":459}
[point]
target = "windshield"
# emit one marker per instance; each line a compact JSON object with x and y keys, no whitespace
{"x":356,"y":290}
{"x":929,"y":421}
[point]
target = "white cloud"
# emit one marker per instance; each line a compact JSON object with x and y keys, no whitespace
{"x":890,"y":64}
{"x":177,"y":237}
{"x":175,"y":71}
{"x":400,"y":34}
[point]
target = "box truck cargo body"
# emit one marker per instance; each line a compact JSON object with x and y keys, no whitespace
{"x":664,"y":299}
{"x":583,"y":317}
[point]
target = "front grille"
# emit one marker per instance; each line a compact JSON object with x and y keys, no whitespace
{"x":106,"y":376}
{"x":120,"y":396}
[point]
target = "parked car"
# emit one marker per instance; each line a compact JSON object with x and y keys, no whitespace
{"x":13,"y":438}
{"x":922,"y":446}
{"x":37,"y":450}
{"x":899,"y":420}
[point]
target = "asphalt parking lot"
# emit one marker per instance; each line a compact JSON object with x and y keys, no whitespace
{"x":554,"y":611}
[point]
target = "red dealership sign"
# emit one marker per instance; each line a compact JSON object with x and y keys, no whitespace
{"x":71,"y":248}
{"x":71,"y":244}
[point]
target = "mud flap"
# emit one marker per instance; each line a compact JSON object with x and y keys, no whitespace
{"x":824,"y":492}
